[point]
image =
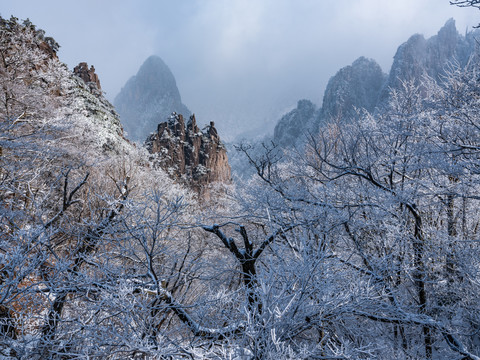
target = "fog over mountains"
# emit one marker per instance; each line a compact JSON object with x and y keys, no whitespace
{"x":148,"y":98}
{"x":363,"y":85}
{"x":359,"y":241}
{"x":241,"y":64}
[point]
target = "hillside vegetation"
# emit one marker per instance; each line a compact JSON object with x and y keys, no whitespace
{"x":362,"y":244}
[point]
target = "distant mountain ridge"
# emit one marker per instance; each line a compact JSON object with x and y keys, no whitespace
{"x":354,"y":86}
{"x":419,"y":57}
{"x":148,"y":98}
{"x":364,"y":85}
{"x":291,"y":126}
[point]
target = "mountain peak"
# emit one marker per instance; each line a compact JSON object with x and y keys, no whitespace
{"x":148,"y":98}
{"x":155,"y":59}
{"x":419,"y":56}
{"x":448,"y":28}
{"x":354,"y":86}
{"x":294,"y":124}
{"x":155,"y":69}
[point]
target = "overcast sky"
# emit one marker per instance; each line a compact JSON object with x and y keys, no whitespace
{"x":237,"y":62}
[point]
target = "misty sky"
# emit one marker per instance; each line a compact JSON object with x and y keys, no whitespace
{"x":239,"y":63}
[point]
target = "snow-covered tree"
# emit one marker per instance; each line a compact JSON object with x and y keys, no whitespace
{"x":395,"y":194}
{"x":362,"y":244}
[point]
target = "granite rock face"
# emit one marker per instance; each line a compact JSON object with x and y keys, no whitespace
{"x":363,"y":85}
{"x":88,"y":75}
{"x":195,"y":157}
{"x":419,"y":57}
{"x":294,"y":124}
{"x":353,"y":87}
{"x":148,"y":98}
{"x":356,"y":86}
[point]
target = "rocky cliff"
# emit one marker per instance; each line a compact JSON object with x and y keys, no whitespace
{"x":148,"y":98}
{"x":363,"y":85}
{"x":419,"y":57}
{"x":353,"y":87}
{"x":195,"y":157}
{"x":87,"y":75}
{"x":294,"y":124}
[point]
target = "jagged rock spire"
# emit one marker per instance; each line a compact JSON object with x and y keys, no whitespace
{"x":195,"y":157}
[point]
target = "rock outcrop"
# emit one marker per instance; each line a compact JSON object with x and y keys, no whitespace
{"x":148,"y":98}
{"x":195,"y":157}
{"x":419,"y":57}
{"x":363,"y":85}
{"x":88,"y":75}
{"x":353,"y":87}
{"x":293,"y":125}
